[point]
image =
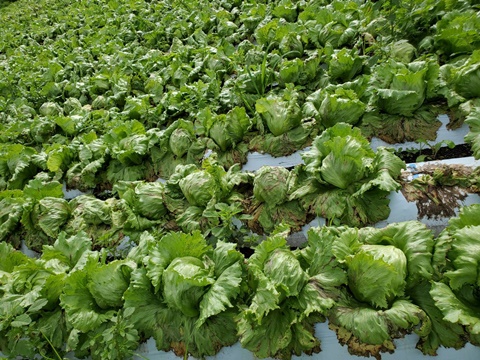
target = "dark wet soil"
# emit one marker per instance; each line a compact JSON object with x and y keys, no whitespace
{"x":459,"y":151}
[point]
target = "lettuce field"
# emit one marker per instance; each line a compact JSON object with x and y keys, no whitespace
{"x":146,"y":111}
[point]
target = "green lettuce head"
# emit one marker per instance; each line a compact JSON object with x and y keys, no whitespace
{"x":384,"y":267}
{"x":270,"y":184}
{"x":376,"y":274}
{"x":280,"y":113}
{"x":341,"y":106}
{"x":340,"y":156}
{"x":344,"y":65}
{"x":228,"y":129}
{"x":185,"y":281}
{"x":185,"y":295}
{"x":402,"y":88}
{"x":180,"y":141}
{"x":198,"y":187}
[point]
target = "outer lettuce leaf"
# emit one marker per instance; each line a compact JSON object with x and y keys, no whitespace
{"x":368,"y":332}
{"x":473,"y":137}
{"x":466,"y":78}
{"x":461,"y":307}
{"x":443,"y":333}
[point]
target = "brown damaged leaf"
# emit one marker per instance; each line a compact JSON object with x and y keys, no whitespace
{"x":398,"y":129}
{"x":441,"y":189}
{"x":356,"y":347}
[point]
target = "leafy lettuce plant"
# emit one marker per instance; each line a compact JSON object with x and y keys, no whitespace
{"x":344,"y":180}
{"x":333,"y":105}
{"x":402,"y":88}
{"x":88,"y":172}
{"x":202,"y":199}
{"x":177,"y":145}
{"x":456,"y":32}
{"x":32,"y":321}
{"x":282,"y":115}
{"x":271,"y":206}
{"x":465,"y":77}
{"x":382,"y":266}
{"x":344,"y":65}
{"x":92,"y":298}
{"x":284,"y":303}
{"x":185,"y":294}
{"x":129,"y":148}
{"x":456,"y":291}
{"x":102,"y":220}
{"x":145,"y":205}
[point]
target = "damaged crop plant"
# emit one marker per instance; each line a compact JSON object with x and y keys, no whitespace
{"x":151,"y":108}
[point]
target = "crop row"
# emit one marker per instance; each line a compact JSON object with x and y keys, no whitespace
{"x":373,"y":285}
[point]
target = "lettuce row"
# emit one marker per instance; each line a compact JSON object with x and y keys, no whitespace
{"x":373,"y":285}
{"x":342,"y":180}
